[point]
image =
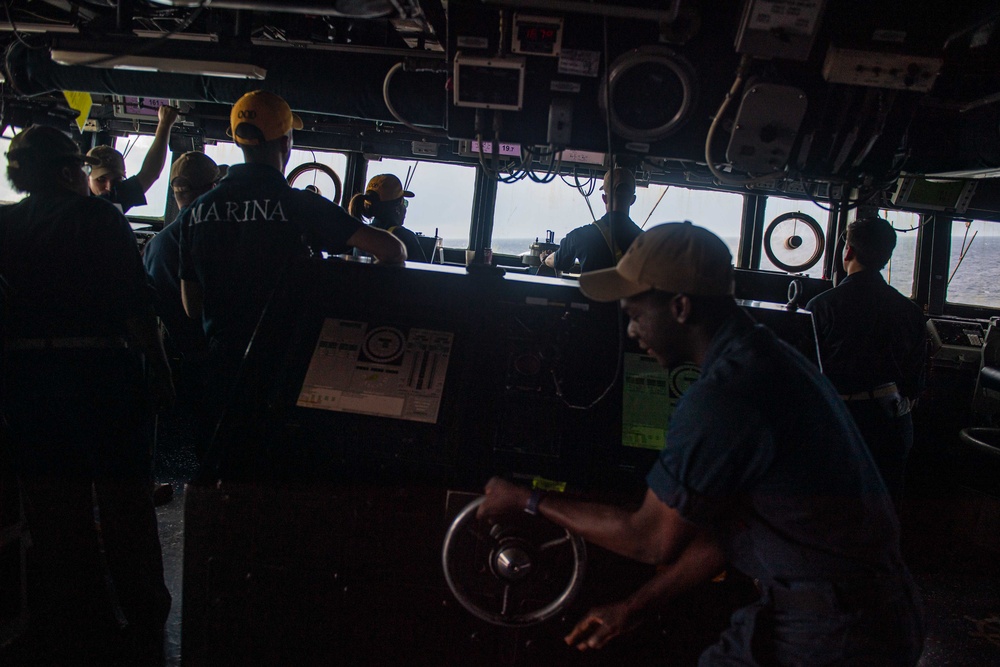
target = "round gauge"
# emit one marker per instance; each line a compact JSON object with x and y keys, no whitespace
{"x":652,"y":92}
{"x":384,"y":345}
{"x":794,"y":242}
{"x":317,"y":177}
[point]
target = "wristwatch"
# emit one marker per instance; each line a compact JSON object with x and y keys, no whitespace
{"x":533,"y":500}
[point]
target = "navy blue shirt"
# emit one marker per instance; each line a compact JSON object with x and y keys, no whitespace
{"x":763,"y":453}
{"x":161,"y":255}
{"x":237,"y":239}
{"x":127,"y":194}
{"x":414,"y":253}
{"x":589,"y":245}
{"x":72,"y":265}
{"x":869,"y":335}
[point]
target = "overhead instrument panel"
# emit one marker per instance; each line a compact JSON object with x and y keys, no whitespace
{"x":643,"y":78}
{"x":794,"y":242}
{"x":488,"y":83}
{"x":651,"y":92}
{"x":779,"y":28}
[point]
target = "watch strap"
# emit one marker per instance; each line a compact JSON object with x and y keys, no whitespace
{"x":533,"y":500}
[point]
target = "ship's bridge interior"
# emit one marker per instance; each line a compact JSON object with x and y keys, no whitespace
{"x":305,"y":516}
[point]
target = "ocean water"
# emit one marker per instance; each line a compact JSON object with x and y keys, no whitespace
{"x":975,"y":282}
{"x":977,"y":278}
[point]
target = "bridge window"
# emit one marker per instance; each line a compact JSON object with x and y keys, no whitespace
{"x":8,"y":195}
{"x":899,"y":271}
{"x":229,"y":154}
{"x":134,"y":148}
{"x":973,"y":271}
{"x":525,"y":210}
{"x":443,"y":197}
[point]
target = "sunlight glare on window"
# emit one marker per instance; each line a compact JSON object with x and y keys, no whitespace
{"x":134,"y":147}
{"x":8,"y":195}
{"x":442,"y":201}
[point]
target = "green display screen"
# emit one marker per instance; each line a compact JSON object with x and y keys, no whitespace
{"x":649,"y":397}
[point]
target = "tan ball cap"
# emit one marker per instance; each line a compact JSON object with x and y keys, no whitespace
{"x":193,"y":170}
{"x":674,"y":257}
{"x":111,"y":162}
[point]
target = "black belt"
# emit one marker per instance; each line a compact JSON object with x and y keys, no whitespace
{"x":67,"y":343}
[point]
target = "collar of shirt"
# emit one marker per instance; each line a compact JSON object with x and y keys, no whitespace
{"x":864,"y":276}
{"x":731,"y":330}
{"x":256,"y":171}
{"x":615,"y":216}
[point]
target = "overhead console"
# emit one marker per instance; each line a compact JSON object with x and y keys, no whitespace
{"x":810,"y":98}
{"x":648,"y":87}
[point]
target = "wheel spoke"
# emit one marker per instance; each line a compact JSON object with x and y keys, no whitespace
{"x":482,"y":537}
{"x":559,"y":541}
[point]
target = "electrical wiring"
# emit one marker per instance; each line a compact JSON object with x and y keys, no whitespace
{"x":153,"y":44}
{"x":392,"y":110}
{"x":17,"y":33}
{"x":553,"y":171}
{"x":590,"y":185}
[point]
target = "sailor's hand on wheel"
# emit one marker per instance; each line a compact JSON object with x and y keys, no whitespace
{"x":599,"y":626}
{"x":502,"y":498}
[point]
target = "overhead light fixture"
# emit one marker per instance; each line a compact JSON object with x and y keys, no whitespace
{"x":660,"y":10}
{"x":159,"y":64}
{"x":358,"y":9}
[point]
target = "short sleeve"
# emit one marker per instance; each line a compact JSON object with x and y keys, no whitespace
{"x":566,"y":254}
{"x":329,"y":225}
{"x":718,"y":447}
{"x":129,"y":194}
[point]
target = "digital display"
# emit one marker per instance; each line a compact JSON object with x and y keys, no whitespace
{"x":377,"y":369}
{"x":537,"y":35}
{"x":489,"y":83}
{"x":649,"y":397}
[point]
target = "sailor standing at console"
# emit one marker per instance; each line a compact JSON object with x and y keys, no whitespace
{"x":789,"y":498}
{"x":872,"y":342}
{"x":602,"y":243}
{"x":384,"y":201}
{"x":237,"y":239}
{"x":79,"y":332}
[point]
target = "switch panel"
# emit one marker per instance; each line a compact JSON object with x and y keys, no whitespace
{"x":560,"y":122}
{"x":881,"y":70}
